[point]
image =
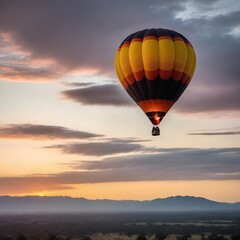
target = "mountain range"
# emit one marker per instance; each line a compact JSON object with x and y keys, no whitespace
{"x":62,"y":204}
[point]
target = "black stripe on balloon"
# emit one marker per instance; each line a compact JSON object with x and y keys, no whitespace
{"x":172,"y":89}
{"x":140,"y":34}
{"x":151,"y":32}
{"x":142,"y":86}
{"x":156,"y":89}
{"x":132,"y":94}
{"x":162,"y":32}
{"x":127,"y":39}
{"x":157,"y":32}
{"x":174,"y":34}
{"x":153,"y":88}
{"x":138,"y":90}
{"x":180,"y":91}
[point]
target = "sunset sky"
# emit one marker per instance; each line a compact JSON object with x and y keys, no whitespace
{"x":67,"y":127}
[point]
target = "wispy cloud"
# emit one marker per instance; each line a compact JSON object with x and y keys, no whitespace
{"x":108,"y":94}
{"x":108,"y":147}
{"x":237,"y":132}
{"x":19,"y":65}
{"x":206,"y":9}
{"x":235,"y":31}
{"x":78,"y":84}
{"x":42,"y":132}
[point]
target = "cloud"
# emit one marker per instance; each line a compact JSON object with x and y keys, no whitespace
{"x":235,"y":31}
{"x":85,"y":35}
{"x":215,"y":84}
{"x":213,"y":133}
{"x":78,"y":84}
{"x":206,"y":9}
{"x":18,"y":65}
{"x":220,"y":101}
{"x":80,"y":34}
{"x":176,"y":158}
{"x":166,"y":165}
{"x":109,"y":147}
{"x":41,"y":132}
{"x":108,"y":94}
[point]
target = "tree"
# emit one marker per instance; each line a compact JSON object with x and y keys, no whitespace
{"x":21,"y":237}
{"x":215,"y":236}
{"x":86,"y":238}
{"x":141,"y":237}
{"x":160,"y":236}
{"x":235,"y":236}
{"x":184,"y":237}
{"x":52,"y":237}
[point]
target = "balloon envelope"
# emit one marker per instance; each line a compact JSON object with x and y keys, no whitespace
{"x":155,"y":66}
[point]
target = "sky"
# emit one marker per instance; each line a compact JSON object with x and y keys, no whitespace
{"x":68,"y":128}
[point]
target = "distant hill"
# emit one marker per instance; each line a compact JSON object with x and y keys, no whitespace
{"x":36,"y":204}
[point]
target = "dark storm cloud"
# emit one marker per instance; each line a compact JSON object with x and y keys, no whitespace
{"x":108,"y":94}
{"x":83,"y":34}
{"x":42,"y":132}
{"x":109,"y":147}
{"x":169,"y":164}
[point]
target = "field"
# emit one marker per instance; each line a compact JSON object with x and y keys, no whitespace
{"x":125,"y":226}
{"x":114,"y":236}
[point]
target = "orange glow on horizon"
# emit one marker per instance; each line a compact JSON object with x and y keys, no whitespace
{"x":222,"y":191}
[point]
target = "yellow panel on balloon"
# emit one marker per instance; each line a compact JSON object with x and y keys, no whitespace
{"x":180,"y":58}
{"x":166,"y":57}
{"x":125,"y":64}
{"x":135,"y":58}
{"x":119,"y":72}
{"x":150,"y":57}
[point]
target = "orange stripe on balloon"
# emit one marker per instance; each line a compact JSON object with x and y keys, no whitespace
{"x":125,"y":44}
{"x":155,"y":105}
{"x":178,"y":39}
{"x":165,"y":37}
{"x":176,"y":75}
{"x":139,"y":75}
{"x":164,"y":74}
{"x":185,"y":78}
{"x":136,"y":40}
{"x":151,"y":75}
{"x":130,"y":79}
{"x":150,"y":37}
{"x":124,"y":83}
{"x":188,"y":80}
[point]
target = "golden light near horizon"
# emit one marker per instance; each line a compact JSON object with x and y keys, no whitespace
{"x":223,"y":191}
{"x":41,"y":194}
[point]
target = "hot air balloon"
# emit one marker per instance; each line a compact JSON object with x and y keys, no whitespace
{"x":155,"y":66}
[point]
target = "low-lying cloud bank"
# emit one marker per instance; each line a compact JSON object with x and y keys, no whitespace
{"x":166,"y":165}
